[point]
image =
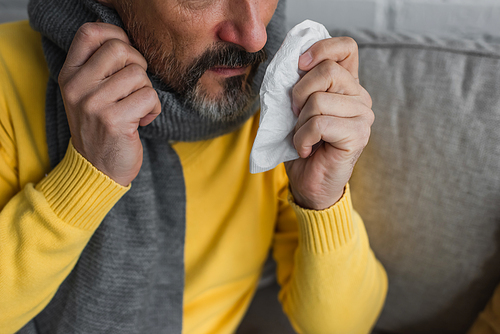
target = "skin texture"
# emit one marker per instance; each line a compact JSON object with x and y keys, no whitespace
{"x":333,"y":107}
{"x":186,"y":28}
{"x":183,"y":41}
{"x":107,"y":93}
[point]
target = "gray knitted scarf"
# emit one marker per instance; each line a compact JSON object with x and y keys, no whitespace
{"x":130,"y":276}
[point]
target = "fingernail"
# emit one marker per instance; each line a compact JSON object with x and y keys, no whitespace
{"x":305,"y":59}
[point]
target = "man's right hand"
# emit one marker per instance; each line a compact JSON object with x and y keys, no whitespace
{"x":107,"y":95}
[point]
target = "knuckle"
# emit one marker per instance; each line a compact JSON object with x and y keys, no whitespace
{"x":317,"y":124}
{"x":351,"y":43}
{"x":136,"y":71}
{"x":363,"y":136}
{"x":366,"y":114}
{"x":88,"y":31}
{"x":316,"y":102}
{"x":71,"y":91}
{"x":330,"y":71}
{"x":371,"y":117}
{"x":367,"y":99}
{"x":149,"y":95}
{"x":332,"y":67}
{"x":322,"y":48}
{"x":118,"y":48}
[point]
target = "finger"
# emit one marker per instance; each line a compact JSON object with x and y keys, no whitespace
{"x":344,"y":134}
{"x":335,"y":105}
{"x":121,"y":84}
{"x":139,"y":108}
{"x":110,"y":58}
{"x":152,"y":115}
{"x":90,"y":37}
{"x":328,"y":76}
{"x":343,"y":50}
{"x":366,"y":98}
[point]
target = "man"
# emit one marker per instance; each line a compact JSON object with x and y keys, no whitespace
{"x":128,"y":209}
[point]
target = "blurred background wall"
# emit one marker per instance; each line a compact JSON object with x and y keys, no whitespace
{"x":443,"y":17}
{"x":13,"y":10}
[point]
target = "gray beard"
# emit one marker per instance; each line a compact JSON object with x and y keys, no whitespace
{"x":237,"y":96}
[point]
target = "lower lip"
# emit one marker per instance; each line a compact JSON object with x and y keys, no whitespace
{"x":229,"y":71}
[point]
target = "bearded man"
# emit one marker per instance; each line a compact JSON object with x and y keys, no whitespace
{"x":127,"y":205}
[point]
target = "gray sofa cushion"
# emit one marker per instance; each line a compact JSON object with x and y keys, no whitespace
{"x":428,"y":183}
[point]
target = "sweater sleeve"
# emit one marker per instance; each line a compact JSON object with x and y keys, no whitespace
{"x":43,"y":230}
{"x":330,"y":280}
{"x":488,"y":321}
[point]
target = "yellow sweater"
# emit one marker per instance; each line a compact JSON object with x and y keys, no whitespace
{"x":330,"y":279}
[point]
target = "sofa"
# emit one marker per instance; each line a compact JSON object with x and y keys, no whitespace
{"x":428,"y":183}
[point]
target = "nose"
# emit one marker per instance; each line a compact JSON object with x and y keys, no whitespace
{"x":245,"y":24}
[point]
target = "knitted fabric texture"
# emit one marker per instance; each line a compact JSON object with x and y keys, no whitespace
{"x":130,"y":276}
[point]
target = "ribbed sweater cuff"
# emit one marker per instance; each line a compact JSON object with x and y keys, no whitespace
{"x":79,"y":193}
{"x":325,"y":230}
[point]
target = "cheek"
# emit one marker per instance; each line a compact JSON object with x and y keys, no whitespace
{"x":191,"y":38}
{"x":269,"y":9}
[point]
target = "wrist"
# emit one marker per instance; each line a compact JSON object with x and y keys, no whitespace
{"x":321,"y":202}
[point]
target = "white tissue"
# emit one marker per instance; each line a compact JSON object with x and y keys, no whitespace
{"x":273,"y":143}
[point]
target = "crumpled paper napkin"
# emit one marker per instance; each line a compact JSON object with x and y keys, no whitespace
{"x":273,"y":143}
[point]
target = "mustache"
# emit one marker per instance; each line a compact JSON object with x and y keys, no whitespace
{"x":225,"y":55}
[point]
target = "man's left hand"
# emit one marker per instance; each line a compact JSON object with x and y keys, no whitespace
{"x":333,"y":110}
